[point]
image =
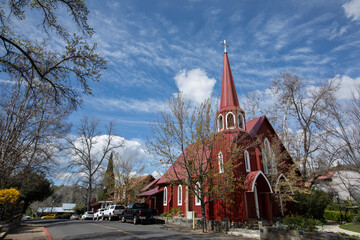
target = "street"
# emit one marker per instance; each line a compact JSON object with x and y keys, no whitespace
{"x":77,"y":229}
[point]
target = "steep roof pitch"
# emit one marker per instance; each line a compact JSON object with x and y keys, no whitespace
{"x":150,"y":185}
{"x":177,"y":170}
{"x":253,"y":126}
{"x":228,"y":91}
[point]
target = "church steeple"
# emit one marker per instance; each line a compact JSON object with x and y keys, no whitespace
{"x":230,"y":115}
{"x":228,"y":91}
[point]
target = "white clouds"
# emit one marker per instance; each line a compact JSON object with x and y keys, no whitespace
{"x":347,"y":86}
{"x":156,"y":174}
{"x":195,"y":85}
{"x":136,"y":105}
{"x":303,"y":50}
{"x":352,"y":9}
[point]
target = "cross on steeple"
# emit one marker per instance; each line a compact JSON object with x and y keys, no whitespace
{"x":225,"y":45}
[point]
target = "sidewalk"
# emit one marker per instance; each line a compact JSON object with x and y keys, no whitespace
{"x":335,"y":227}
{"x":26,"y":232}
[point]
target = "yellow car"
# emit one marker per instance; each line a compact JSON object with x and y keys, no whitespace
{"x":50,"y":216}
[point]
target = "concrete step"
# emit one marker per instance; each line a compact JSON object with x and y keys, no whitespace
{"x":245,"y":233}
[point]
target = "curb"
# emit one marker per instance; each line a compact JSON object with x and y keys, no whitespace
{"x":47,"y":234}
{"x":3,"y":235}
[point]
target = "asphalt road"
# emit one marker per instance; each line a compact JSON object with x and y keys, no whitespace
{"x":77,"y":229}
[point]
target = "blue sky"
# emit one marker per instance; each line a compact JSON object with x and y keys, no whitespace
{"x":158,"y":48}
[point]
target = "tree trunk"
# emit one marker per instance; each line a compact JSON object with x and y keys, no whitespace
{"x":89,"y":195}
{"x":203,"y":217}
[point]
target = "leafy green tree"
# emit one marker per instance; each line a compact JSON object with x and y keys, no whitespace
{"x":80,"y":208}
{"x":32,"y":186}
{"x":312,"y":204}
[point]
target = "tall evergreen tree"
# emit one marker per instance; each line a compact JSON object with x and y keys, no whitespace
{"x":108,"y":183}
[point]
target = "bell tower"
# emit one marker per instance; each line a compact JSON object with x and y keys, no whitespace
{"x":230,"y":116}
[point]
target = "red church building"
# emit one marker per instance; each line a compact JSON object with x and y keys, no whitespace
{"x":255,"y":198}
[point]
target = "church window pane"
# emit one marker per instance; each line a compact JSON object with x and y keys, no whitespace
{"x":230,"y":120}
{"x":241,"y":121}
{"x":179,"y":195}
{"x":165,"y":196}
{"x":221,"y":162}
{"x":247,"y":161}
{"x":220,"y":122}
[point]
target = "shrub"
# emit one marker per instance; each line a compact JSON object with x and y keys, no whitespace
{"x":63,"y":216}
{"x":356,"y":218}
{"x":332,"y":207}
{"x":9,"y":196}
{"x":8,"y":199}
{"x":176,"y":212}
{"x":311,"y":204}
{"x":79,"y":208}
{"x":166,"y":214}
{"x":296,"y":222}
{"x":335,"y":215}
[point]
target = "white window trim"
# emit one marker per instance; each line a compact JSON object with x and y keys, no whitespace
{"x":165,"y":197}
{"x":227,"y":125}
{"x":221,"y":162}
{"x":241,"y":120}
{"x":247,"y":161}
{"x":197,"y":200}
{"x":218,"y":122}
{"x":179,"y":197}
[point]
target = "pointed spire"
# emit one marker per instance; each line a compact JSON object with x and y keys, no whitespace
{"x":228,"y":91}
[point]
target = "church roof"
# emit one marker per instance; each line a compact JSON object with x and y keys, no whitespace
{"x":177,"y":168}
{"x":150,"y":185}
{"x":228,"y":91}
{"x":253,"y":126}
{"x":151,"y":192}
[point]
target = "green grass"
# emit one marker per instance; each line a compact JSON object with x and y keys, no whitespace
{"x":351,"y":227}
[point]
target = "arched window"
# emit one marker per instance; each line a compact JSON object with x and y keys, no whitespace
{"x":221,"y":162}
{"x":179,"y":195}
{"x":265,"y":161}
{"x":197,"y":199}
{"x":230,"y":120}
{"x":247,"y":161}
{"x":241,"y":121}
{"x":165,"y":196}
{"x":268,"y":158}
{"x":220,"y":122}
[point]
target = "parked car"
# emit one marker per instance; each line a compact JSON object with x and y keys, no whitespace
{"x":139,"y":212}
{"x":74,"y":217}
{"x":87,"y":215}
{"x":113,"y":211}
{"x":98,"y":214}
{"x":49,"y":216}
